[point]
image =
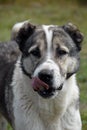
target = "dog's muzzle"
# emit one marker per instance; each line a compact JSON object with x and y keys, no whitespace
{"x":43,"y":84}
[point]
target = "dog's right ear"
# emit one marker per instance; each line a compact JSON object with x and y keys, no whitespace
{"x":21,"y":32}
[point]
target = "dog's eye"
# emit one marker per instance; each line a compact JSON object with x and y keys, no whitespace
{"x":36,"y":52}
{"x":61,"y":52}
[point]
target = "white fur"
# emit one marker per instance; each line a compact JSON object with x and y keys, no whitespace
{"x":48,"y":39}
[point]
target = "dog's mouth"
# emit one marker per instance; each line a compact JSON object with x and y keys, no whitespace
{"x":44,"y":89}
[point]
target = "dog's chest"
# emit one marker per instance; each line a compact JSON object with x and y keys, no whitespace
{"x":30,"y":112}
{"x":34,"y":116}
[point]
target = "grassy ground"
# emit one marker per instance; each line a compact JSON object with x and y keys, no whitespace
{"x":51,"y":14}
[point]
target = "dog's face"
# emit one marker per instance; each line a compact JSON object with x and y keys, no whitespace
{"x":50,"y":54}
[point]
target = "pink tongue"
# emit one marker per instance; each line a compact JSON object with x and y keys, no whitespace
{"x":39,"y":84}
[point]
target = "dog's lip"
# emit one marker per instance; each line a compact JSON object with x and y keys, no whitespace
{"x":50,"y":92}
{"x":60,"y":87}
{"x":44,"y":89}
{"x":46,"y":93}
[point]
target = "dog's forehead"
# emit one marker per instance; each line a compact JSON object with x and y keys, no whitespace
{"x":52,"y":34}
{"x":48,"y":27}
{"x":51,"y":31}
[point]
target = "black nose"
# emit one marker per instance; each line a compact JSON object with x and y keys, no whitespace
{"x":46,"y":76}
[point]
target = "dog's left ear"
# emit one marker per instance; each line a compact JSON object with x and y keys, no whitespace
{"x":21,"y":32}
{"x":74,"y":33}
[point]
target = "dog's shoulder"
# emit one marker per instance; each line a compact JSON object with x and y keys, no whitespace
{"x":9,"y":53}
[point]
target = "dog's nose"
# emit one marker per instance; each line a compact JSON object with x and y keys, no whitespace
{"x":46,"y":76}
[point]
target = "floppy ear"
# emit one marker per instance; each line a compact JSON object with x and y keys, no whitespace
{"x":21,"y":32}
{"x":74,"y":33}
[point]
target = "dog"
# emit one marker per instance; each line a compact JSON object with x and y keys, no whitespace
{"x":38,"y":89}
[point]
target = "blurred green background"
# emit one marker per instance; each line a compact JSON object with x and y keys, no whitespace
{"x":50,"y":12}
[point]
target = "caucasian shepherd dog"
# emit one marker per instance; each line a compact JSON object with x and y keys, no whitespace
{"x":38,"y":89}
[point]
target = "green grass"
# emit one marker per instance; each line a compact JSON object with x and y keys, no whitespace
{"x":51,"y":14}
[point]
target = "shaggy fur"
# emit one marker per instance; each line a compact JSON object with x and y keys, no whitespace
{"x":51,"y":54}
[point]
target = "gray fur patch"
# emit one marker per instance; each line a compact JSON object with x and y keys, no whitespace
{"x":8,"y":55}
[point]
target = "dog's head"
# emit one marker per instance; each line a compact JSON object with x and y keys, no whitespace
{"x":50,"y":54}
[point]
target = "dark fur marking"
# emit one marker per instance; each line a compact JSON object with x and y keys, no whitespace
{"x":24,"y":71}
{"x":75,"y":34}
{"x":24,"y":33}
